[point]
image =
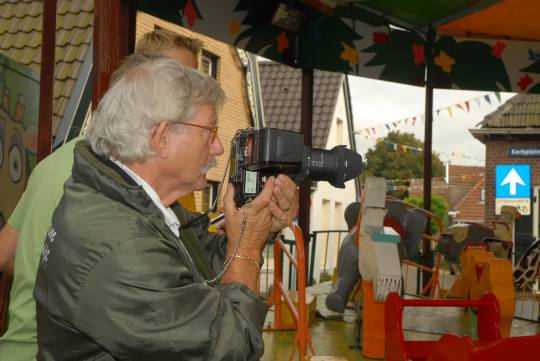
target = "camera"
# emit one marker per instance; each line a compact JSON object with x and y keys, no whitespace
{"x":259,"y":153}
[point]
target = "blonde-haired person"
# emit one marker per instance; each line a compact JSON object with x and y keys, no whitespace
{"x":21,"y":239}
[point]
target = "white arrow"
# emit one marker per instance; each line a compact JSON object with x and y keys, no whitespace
{"x":513,"y":178}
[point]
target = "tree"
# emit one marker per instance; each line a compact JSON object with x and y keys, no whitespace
{"x":398,"y":156}
{"x":438,"y":206}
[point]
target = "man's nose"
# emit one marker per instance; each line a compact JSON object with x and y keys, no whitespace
{"x":217,"y":147}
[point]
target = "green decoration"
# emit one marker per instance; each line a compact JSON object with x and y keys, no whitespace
{"x":533,"y":68}
{"x":318,"y":44}
{"x":171,"y":10}
{"x":398,"y":58}
{"x":474,"y":66}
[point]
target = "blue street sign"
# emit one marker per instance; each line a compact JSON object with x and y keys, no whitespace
{"x":513,"y":181}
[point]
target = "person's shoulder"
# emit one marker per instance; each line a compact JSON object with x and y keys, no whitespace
{"x":59,"y":162}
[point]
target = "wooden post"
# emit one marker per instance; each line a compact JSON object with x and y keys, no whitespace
{"x":114,"y":39}
{"x":306,"y":129}
{"x":427,"y":258}
{"x":46,"y":80}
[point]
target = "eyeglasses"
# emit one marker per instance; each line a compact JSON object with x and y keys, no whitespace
{"x":213,"y":130}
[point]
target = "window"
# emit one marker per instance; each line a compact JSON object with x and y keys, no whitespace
{"x":209,"y":195}
{"x":339,"y":131}
{"x":209,"y":64}
{"x":483,"y":195}
{"x":338,"y":216}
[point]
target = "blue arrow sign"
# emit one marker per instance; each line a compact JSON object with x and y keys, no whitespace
{"x":513,"y":181}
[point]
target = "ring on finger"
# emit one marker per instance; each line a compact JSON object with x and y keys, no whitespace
{"x":286,"y":209}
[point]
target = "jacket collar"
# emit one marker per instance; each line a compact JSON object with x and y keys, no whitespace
{"x":105,"y":176}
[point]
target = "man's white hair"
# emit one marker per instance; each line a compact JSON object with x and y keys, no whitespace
{"x":144,"y":91}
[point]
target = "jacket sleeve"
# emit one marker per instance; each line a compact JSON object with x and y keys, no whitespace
{"x":140,"y":303}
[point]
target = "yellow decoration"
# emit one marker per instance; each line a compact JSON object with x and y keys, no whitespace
{"x":349,"y":54}
{"x":234,"y":27}
{"x":188,"y":202}
{"x":445,"y":62}
{"x":482,"y":272}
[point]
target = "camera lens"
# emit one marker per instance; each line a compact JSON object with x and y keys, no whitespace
{"x":336,"y":166}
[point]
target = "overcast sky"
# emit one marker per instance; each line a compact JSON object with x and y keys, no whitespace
{"x":378,"y":102}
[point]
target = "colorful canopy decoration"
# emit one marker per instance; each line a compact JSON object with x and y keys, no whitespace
{"x":479,"y":45}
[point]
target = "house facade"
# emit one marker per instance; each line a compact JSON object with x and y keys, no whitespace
{"x":281,"y":91}
{"x":512,"y":137}
{"x":463,"y":189}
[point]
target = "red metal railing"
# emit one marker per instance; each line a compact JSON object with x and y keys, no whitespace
{"x":279,"y":294}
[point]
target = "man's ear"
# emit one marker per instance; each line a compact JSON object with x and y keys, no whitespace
{"x":158,"y":141}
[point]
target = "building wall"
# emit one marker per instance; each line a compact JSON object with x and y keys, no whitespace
{"x":230,"y":74}
{"x":336,"y":198}
{"x":497,"y":153}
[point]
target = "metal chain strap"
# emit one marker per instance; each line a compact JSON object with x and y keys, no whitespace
{"x":229,"y":260}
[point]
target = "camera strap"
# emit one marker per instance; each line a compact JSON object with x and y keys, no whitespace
{"x":192,"y":245}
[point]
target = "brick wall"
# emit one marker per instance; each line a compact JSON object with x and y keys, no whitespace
{"x":497,"y":153}
{"x":230,"y":74}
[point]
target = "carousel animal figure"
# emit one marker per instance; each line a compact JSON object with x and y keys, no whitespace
{"x":497,"y":237}
{"x":408,"y":222}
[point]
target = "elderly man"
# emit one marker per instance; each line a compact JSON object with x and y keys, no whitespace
{"x":27,"y":227}
{"x":118,"y":278}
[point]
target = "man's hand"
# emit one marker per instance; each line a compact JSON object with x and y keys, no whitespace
{"x":258,"y":221}
{"x":284,"y":205}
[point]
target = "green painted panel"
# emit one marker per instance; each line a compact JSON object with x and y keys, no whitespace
{"x":19,"y":93}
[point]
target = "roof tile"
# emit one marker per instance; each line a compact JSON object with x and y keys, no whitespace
{"x":20,"y":39}
{"x":520,"y":111}
{"x":281,"y":92}
{"x":471,"y":208}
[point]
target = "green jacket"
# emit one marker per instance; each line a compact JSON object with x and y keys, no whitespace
{"x":115,"y":283}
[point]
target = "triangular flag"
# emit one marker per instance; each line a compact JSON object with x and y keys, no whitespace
{"x":450,"y":111}
{"x":498,"y":95}
{"x":460,"y":106}
{"x":373,"y":130}
{"x":487,"y":98}
{"x":394,"y":124}
{"x":367,"y":131}
{"x":387,"y":126}
{"x":438,"y":111}
{"x":468,"y":106}
{"x":413,"y":121}
{"x":478,"y":102}
{"x":406,"y":119}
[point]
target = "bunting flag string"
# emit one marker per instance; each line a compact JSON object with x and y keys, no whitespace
{"x":407,"y":148}
{"x":401,"y":147}
{"x":462,"y":155}
{"x":463,"y":106}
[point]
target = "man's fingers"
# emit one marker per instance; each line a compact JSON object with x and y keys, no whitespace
{"x":279,"y":217}
{"x":228,"y":201}
{"x":265,"y":196}
{"x":287,"y":185}
{"x":286,"y":195}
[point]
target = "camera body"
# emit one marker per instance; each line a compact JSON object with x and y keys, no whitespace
{"x":258,"y":153}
